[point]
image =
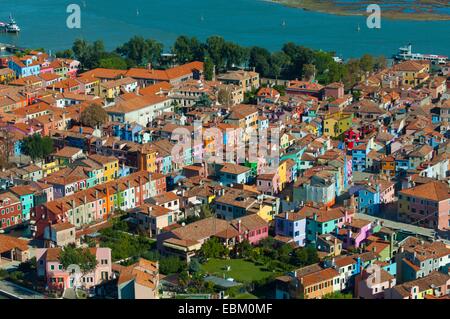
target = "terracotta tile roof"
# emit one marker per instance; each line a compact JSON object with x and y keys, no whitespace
{"x":235,"y":169}
{"x":319,"y":276}
{"x":165,"y":75}
{"x":433,"y":280}
{"x":133,"y":102}
{"x":67,"y":152}
{"x":436,"y":191}
{"x":7,"y":243}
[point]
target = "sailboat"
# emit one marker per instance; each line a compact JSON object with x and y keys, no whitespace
{"x":359,"y":28}
{"x":283,"y":23}
{"x":137,"y":12}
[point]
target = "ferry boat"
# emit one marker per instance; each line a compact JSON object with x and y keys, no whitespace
{"x":405,"y":53}
{"x":11,"y":26}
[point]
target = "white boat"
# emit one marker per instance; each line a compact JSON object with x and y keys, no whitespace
{"x":405,"y":54}
{"x":11,"y":26}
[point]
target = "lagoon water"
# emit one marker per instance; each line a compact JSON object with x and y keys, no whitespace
{"x":247,"y":22}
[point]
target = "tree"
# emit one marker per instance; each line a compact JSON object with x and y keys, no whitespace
{"x":304,"y":256}
{"x":36,"y":146}
{"x":209,"y":71}
{"x":299,"y":56}
{"x":88,"y":54}
{"x":194,"y":266}
{"x":225,"y":96}
{"x":244,"y":249}
{"x":212,"y":248}
{"x":206,"y":211}
{"x":309,"y":72}
{"x":367,"y":63}
{"x":284,"y":253}
{"x":94,"y":116}
{"x":216,"y":50}
{"x":279,"y":61}
{"x":313,"y":257}
{"x":260,"y":60}
{"x":188,"y":49}
{"x":380,"y":63}
{"x":65,"y":54}
{"x":6,"y":147}
{"x":71,"y":255}
{"x":234,"y":54}
{"x":141,"y":51}
{"x":338,"y":295}
{"x":113,"y":62}
{"x":299,"y":257}
{"x":171,"y":265}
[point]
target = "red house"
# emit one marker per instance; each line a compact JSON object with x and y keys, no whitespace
{"x":351,"y":137}
{"x":10,"y":210}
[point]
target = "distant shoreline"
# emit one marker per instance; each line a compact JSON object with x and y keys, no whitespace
{"x":330,"y":8}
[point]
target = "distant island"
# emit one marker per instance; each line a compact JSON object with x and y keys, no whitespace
{"x":399,"y":9}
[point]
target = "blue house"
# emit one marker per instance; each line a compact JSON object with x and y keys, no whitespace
{"x":401,"y":165}
{"x":291,"y":225}
{"x":26,"y":66}
{"x":369,"y":200}
{"x":359,"y":156}
{"x":232,"y":174}
{"x":26,"y":196}
{"x":132,"y":132}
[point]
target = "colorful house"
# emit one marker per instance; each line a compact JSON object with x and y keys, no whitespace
{"x":26,"y":196}
{"x":336,"y":124}
{"x":427,"y":205}
{"x":291,"y":227}
{"x":25,"y":66}
{"x":58,"y":279}
{"x":10,"y":210}
{"x":324,"y":220}
{"x":359,"y":157}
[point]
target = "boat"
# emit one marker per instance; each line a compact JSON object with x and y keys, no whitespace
{"x":11,"y":26}
{"x":359,"y":28}
{"x":283,"y":23}
{"x":406,"y":54}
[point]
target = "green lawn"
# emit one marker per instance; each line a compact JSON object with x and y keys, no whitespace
{"x":245,"y":296}
{"x":241,"y":270}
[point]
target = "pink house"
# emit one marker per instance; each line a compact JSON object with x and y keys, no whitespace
{"x":334,"y":90}
{"x":430,"y":200}
{"x":58,"y":278}
{"x":46,"y":68}
{"x":252,"y":228}
{"x":387,"y":192}
{"x":354,"y":233}
{"x":369,"y":287}
{"x":268,"y":183}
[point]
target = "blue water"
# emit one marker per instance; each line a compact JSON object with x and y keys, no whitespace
{"x":248,"y":22}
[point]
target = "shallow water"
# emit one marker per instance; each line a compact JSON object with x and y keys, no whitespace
{"x":248,"y":22}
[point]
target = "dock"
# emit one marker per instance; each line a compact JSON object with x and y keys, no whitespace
{"x":10,"y":47}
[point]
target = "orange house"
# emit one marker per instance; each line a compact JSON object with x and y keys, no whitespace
{"x":388,"y":166}
{"x":318,"y":284}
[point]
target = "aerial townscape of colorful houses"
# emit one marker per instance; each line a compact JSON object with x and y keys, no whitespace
{"x":357,"y":205}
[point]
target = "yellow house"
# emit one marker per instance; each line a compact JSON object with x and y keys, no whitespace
{"x":49,"y":168}
{"x":282,"y":174}
{"x":413,"y":72}
{"x":266,"y":213}
{"x":148,"y":158}
{"x":110,"y":166}
{"x":90,"y":84}
{"x":7,"y":75}
{"x":336,"y":124}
